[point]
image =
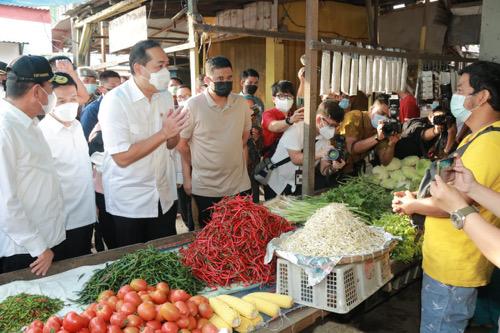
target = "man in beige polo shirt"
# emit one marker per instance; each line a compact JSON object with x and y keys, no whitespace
{"x":213,"y":146}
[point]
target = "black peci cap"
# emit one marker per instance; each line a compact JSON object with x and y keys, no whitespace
{"x":30,"y":68}
{"x":3,"y":67}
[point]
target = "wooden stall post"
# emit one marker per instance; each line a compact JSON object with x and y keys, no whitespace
{"x":310,"y":97}
{"x":194,"y":64}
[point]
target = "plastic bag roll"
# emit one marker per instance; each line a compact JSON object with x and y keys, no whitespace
{"x":326,"y":68}
{"x":336,"y":72}
{"x":346,"y":73}
{"x":362,"y":82}
{"x":369,"y":76}
{"x":353,"y":86}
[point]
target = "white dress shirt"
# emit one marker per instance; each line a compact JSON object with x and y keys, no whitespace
{"x":71,"y":158}
{"x":126,"y":117}
{"x":32,"y":217}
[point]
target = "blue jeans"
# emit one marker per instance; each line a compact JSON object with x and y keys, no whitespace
{"x":445,"y":309}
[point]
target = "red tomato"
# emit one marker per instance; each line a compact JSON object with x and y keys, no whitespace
{"x":147,"y":330}
{"x":36,"y":324}
{"x":123,"y":290}
{"x":147,"y":311}
{"x":34,"y":330}
{"x":88,"y":314}
{"x":201,"y":323}
{"x":169,"y":328}
{"x":104,"y":311}
{"x":158,"y":314}
{"x":119,"y":304}
{"x":119,"y":319}
{"x":196,"y":330}
{"x":104,"y":295}
{"x":163,"y":286}
{"x":205,"y":310}
{"x":97,"y":325}
{"x":151,"y":288}
{"x":62,"y":330}
{"x":192,"y":323}
{"x":83,"y":330}
{"x":52,"y":325}
{"x":143,"y":292}
{"x":169,"y":312}
{"x":183,"y":308}
{"x":132,"y":297}
{"x":91,"y":307}
{"x":183,"y":322}
{"x":128,"y":308}
{"x":112,"y":301}
{"x":198,"y":299}
{"x":184,"y":330}
{"x":209,"y":328}
{"x":134,"y":321}
{"x":178,"y":295}
{"x":139,"y":284}
{"x":193,"y":308}
{"x":72,"y":322}
{"x":146,"y":298}
{"x":154,"y":324}
{"x":131,"y":330}
{"x":114,"y":329}
{"x":159,"y":296}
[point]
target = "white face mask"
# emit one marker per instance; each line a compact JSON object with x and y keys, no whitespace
{"x":284,"y":105}
{"x":66,"y":112}
{"x":181,"y":103}
{"x":160,"y":79}
{"x":52,"y":100}
{"x":327,"y":132}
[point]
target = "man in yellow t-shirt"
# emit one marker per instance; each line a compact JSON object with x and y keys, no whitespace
{"x":363,"y":132}
{"x":453,"y":266}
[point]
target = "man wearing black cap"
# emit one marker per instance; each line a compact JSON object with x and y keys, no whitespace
{"x":32,"y":220}
{"x":3,"y":77}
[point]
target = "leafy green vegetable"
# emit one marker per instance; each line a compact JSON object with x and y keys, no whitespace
{"x":395,"y":164}
{"x":149,"y":264}
{"x":410,"y":161}
{"x":411,"y":246}
{"x":22,"y":309}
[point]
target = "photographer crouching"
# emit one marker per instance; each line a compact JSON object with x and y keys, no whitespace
{"x":375,"y":131}
{"x":428,"y":137}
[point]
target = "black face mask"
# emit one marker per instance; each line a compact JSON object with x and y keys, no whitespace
{"x":223,"y":88}
{"x":250,"y":89}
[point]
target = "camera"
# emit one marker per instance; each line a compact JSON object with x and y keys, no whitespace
{"x":391,"y":127}
{"x":339,"y":151}
{"x":394,"y":106}
{"x":441,"y":120}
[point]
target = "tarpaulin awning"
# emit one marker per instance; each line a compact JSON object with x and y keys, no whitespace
{"x":38,"y":3}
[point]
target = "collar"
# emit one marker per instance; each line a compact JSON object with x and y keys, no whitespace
{"x":16,"y":114}
{"x":55,"y":125}
{"x":135,"y":93}
{"x":213,"y":105}
{"x":471,"y":136}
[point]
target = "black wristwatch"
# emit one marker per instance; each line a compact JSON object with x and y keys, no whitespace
{"x":288,"y":122}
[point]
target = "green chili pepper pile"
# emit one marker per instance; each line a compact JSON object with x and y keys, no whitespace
{"x":149,"y":264}
{"x":20,"y":310}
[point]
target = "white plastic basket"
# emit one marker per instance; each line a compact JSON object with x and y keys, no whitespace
{"x":342,"y":290}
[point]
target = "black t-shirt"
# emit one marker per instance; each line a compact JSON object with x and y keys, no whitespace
{"x":411,"y":142}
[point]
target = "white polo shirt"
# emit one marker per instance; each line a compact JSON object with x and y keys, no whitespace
{"x":126,"y":117}
{"x":32,"y":216}
{"x":71,"y":158}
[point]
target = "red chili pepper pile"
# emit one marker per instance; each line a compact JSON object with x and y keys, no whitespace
{"x":231,"y":248}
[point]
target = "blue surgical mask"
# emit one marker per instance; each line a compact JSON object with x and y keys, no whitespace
{"x":458,"y":109}
{"x":91,"y":87}
{"x":344,"y":103}
{"x":434,"y":105}
{"x":376,"y":118}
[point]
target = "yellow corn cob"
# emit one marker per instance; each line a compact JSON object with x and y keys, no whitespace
{"x":245,"y":326}
{"x":283,"y":301}
{"x":244,"y":308}
{"x":220,"y":323}
{"x":269,"y":308}
{"x":224,"y":311}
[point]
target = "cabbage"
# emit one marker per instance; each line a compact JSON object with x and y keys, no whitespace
{"x":397,"y":175}
{"x":409,"y":172}
{"x":394,"y":165}
{"x":380,"y":172}
{"x":410,"y":160}
{"x":421,"y":166}
{"x":388,"y":183}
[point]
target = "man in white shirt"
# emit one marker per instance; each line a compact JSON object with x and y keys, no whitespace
{"x":138,"y":125}
{"x":32,"y":219}
{"x":70,"y":152}
{"x":3,"y":78}
{"x":284,"y":179}
{"x":215,"y":142}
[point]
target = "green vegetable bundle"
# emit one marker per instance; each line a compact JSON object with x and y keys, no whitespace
{"x":411,"y":245}
{"x":149,"y":264}
{"x":21,"y":310}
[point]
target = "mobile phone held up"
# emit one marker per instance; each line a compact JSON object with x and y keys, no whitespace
{"x":445,"y":169}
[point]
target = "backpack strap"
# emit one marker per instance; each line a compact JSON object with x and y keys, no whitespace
{"x":461,"y":150}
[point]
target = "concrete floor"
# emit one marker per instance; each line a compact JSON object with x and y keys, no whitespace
{"x":400,"y":314}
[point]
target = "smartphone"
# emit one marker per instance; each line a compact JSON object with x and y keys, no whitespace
{"x":445,"y":169}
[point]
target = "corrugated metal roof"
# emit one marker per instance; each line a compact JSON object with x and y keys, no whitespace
{"x":37,"y":3}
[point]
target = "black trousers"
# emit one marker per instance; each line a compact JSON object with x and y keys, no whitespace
{"x":78,"y":242}
{"x":270,"y":194}
{"x":141,"y":230}
{"x":204,"y":204}
{"x":21,"y":261}
{"x":106,"y":226}
{"x":185,"y":208}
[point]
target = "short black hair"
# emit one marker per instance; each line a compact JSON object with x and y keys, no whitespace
{"x":105,"y":75}
{"x":16,"y":89}
{"x":217,"y":62}
{"x":52,"y":61}
{"x":249,"y":72}
{"x":63,"y":79}
{"x":331,"y":109}
{"x":138,"y":53}
{"x":283,"y":86}
{"x":184,"y":86}
{"x":485,"y":75}
{"x":383,"y":98}
{"x":177,"y":79}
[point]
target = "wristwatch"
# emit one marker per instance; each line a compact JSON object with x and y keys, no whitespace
{"x":288,"y":122}
{"x":458,"y":216}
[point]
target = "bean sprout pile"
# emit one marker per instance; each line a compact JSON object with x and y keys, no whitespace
{"x":333,"y":231}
